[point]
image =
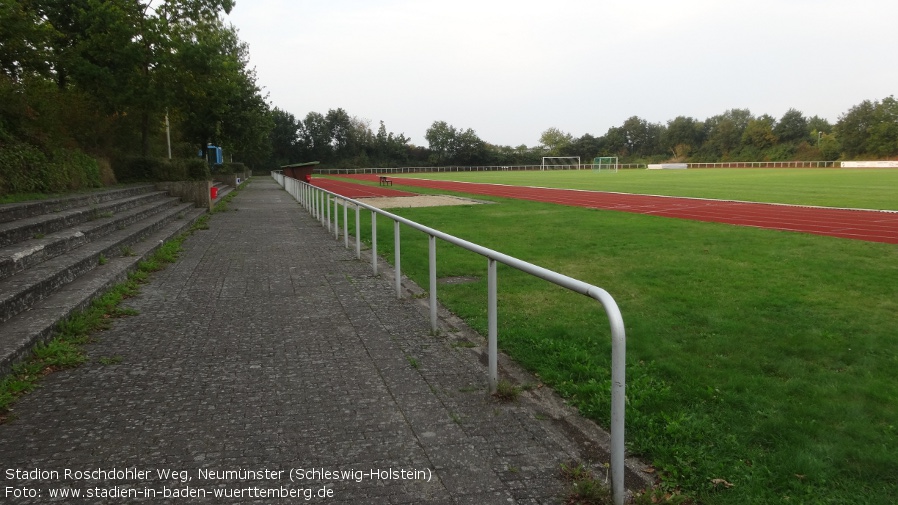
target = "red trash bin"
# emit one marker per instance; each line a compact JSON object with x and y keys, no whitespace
{"x":214,"y":191}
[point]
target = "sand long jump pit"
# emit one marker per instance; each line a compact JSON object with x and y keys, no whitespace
{"x":398,"y":202}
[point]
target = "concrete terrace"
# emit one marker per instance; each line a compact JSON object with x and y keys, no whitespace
{"x":268,"y":348}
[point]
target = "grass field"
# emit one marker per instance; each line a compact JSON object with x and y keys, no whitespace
{"x":855,"y":188}
{"x":763,"y":358}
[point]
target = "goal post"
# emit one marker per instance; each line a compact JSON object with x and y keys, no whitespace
{"x":607,"y":163}
{"x":560,"y":163}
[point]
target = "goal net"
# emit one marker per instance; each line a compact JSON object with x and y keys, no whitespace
{"x":607,"y":163}
{"x":561,"y":163}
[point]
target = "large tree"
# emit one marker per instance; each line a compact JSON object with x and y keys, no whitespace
{"x":449,"y":145}
{"x":555,"y":141}
{"x":792,"y":127}
{"x":682,"y":136}
{"x":853,"y":128}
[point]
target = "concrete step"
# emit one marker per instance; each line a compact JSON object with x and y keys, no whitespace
{"x":223,"y":190}
{"x":21,"y":291}
{"x":38,"y":226}
{"x":20,"y":333}
{"x":15,"y":211}
{"x":29,"y":253}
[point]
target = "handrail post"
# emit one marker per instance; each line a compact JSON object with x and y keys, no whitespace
{"x":358,"y":232}
{"x":345,"y":224}
{"x":374,"y":242}
{"x":328,"y":209}
{"x":396,"y":259}
{"x":492,"y":314}
{"x":336,"y":218}
{"x":432,"y":246}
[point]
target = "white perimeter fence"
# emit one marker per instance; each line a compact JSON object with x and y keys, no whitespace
{"x":462,"y":168}
{"x":589,"y":166}
{"x":318,"y":203}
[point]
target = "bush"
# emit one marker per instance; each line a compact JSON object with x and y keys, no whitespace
{"x":22,"y":165}
{"x":107,"y":176}
{"x":147,"y":169}
{"x":78,"y":170}
{"x":137,"y":168}
{"x":195,"y":169}
{"x":233,"y":168}
{"x":28,"y":169}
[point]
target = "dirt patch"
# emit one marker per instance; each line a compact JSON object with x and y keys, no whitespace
{"x":417,"y":201}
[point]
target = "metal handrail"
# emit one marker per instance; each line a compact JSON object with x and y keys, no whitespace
{"x":318,"y":202}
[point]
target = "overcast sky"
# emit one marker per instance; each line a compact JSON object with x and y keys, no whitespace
{"x":510,"y":69}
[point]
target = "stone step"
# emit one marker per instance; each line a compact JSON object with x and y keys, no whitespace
{"x":20,"y":333}
{"x":22,"y":255}
{"x":38,"y":226}
{"x":21,"y":291}
{"x":15,"y":211}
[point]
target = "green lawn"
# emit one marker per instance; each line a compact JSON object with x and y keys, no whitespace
{"x":763,"y":358}
{"x":855,"y":188}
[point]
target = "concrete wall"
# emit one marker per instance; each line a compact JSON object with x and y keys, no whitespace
{"x":197,"y":192}
{"x":230,"y":179}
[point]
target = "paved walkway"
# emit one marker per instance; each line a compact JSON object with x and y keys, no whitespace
{"x":266,"y":349}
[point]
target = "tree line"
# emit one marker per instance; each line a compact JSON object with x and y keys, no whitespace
{"x":87,"y":85}
{"x":868,"y":130}
{"x":91,"y":91}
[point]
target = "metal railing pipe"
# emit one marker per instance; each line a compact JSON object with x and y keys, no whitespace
{"x":432,"y":262}
{"x":396,"y":259}
{"x":492,"y":325}
{"x":336,"y":220}
{"x":374,"y":242}
{"x":345,"y":224}
{"x":358,"y":232}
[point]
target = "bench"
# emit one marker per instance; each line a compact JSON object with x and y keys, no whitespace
{"x":384,"y":181}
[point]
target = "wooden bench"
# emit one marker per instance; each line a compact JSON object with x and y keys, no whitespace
{"x":384,"y":181}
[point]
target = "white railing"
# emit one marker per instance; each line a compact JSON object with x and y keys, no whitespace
{"x":464,"y":168}
{"x":765,"y":164}
{"x":318,"y":203}
{"x":583,"y":166}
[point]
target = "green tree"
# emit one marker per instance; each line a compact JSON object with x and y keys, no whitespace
{"x":469,"y":149}
{"x":555,"y":141}
{"x":586,"y":147}
{"x":759,"y":133}
{"x":389,"y":149}
{"x":723,"y":133}
{"x":24,"y":40}
{"x":284,"y":138}
{"x":853,"y":128}
{"x":440,"y":139}
{"x":449,"y":145}
{"x":883,"y":133}
{"x":817,"y":124}
{"x":682,"y":136}
{"x":315,"y":138}
{"x":792,"y":127}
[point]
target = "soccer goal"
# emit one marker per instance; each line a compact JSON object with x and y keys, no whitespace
{"x":561,"y":163}
{"x":607,"y":163}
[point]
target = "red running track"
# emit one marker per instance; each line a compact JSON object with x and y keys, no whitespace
{"x":869,"y":225}
{"x":351,"y":190}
